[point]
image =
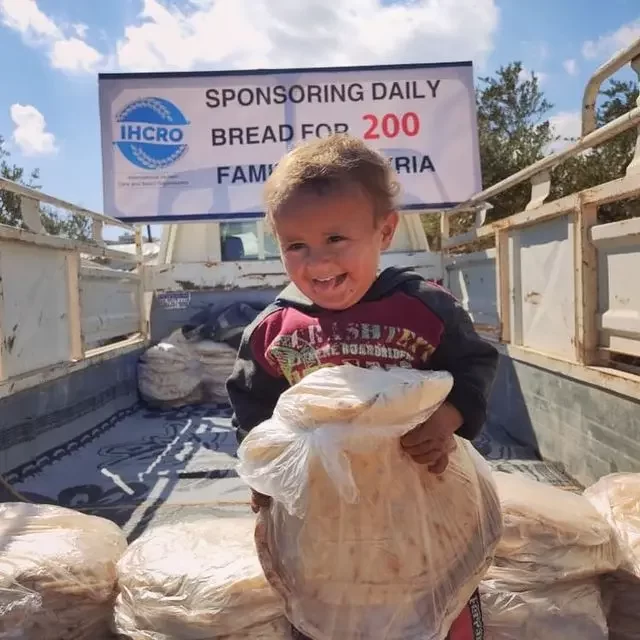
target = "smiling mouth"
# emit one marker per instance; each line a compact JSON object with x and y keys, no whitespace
{"x":329,"y":283}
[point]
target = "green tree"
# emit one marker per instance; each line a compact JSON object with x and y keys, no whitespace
{"x":54,"y":222}
{"x":608,"y":161}
{"x":10,"y":202}
{"x":513,"y":131}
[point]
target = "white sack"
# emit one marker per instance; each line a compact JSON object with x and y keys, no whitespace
{"x":361,"y":541}
{"x":195,"y":580}
{"x":57,"y":572}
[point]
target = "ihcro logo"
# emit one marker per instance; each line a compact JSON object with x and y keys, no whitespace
{"x":151,"y":133}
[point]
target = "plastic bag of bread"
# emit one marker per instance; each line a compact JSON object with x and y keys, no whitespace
{"x":194,"y":580}
{"x":168,"y":374}
{"x":277,"y":629}
{"x":217,"y":360}
{"x":559,"y":612}
{"x":179,"y":371}
{"x":361,"y":541}
{"x":57,"y":572}
{"x":549,"y":534}
{"x":621,"y":598}
{"x":617,"y":498}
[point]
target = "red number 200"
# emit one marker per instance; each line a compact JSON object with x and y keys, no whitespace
{"x":391,"y":125}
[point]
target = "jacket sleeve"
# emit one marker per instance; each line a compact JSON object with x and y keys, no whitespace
{"x":471,"y":360}
{"x":253,"y":391}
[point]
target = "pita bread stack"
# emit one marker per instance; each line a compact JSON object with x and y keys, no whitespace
{"x":195,"y":580}
{"x":57,"y":572}
{"x":177,"y":372}
{"x":544,"y":581}
{"x":217,"y":360}
{"x":278,"y":629}
{"x":560,"y":612}
{"x":549,"y":535}
{"x":617,"y":498}
{"x":168,"y":374}
{"x":361,"y":541}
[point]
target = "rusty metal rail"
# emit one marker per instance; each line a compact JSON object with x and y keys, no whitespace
{"x":606,"y":306}
{"x":58,"y":311}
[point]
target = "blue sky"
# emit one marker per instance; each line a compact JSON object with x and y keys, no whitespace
{"x":53,"y":49}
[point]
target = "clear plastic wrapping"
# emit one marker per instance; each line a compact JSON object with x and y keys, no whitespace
{"x":621,"y":598}
{"x":178,"y":371}
{"x":617,"y":499}
{"x":195,"y":580}
{"x":361,"y":541}
{"x":549,"y":534}
{"x":277,"y":629}
{"x":564,"y":611}
{"x":57,"y":572}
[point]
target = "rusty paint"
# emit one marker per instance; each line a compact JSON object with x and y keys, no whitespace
{"x":9,"y":343}
{"x":187,"y":285}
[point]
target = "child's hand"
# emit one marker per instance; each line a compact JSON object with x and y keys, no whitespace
{"x":258,"y":501}
{"x":432,"y":441}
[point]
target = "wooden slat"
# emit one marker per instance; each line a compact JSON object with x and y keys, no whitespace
{"x":585,"y":259}
{"x":74,"y":312}
{"x":502,"y":285}
{"x":13,"y":234}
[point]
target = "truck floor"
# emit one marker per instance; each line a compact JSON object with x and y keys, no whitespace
{"x":140,"y":467}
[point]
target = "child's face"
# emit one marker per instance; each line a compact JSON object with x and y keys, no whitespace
{"x":331,"y":245}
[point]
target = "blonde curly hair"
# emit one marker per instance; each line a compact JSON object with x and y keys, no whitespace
{"x":328,"y":165}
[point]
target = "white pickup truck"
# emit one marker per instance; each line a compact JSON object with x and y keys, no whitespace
{"x":551,"y":294}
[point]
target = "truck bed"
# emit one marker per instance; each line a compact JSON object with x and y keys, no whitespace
{"x":141,"y":467}
{"x":138,"y":466}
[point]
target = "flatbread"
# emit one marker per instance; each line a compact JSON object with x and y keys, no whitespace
{"x":194,"y":581}
{"x":549,"y":534}
{"x":278,"y":629}
{"x":561,"y":612}
{"x":400,"y":560}
{"x":617,"y":498}
{"x":176,"y":371}
{"x":57,"y":572}
{"x":347,"y":394}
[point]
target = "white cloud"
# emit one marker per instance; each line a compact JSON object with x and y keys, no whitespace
{"x":541,"y":51}
{"x":544,"y":50}
{"x":25,"y":16}
{"x":263,"y":33}
{"x":74,"y":54}
{"x":30,"y":131}
{"x":80,"y":29}
{"x":570,"y":66}
{"x":565,"y":124}
{"x":66,"y":53}
{"x":526,"y":74}
{"x":607,"y":45}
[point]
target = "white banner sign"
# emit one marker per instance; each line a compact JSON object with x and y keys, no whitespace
{"x":194,"y":146}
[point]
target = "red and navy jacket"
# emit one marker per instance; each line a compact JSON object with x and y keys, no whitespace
{"x":403,"y":320}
